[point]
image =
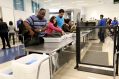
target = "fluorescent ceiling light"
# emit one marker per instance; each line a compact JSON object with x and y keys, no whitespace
{"x":81,"y":4}
{"x":46,"y":1}
{"x":55,"y":4}
{"x":78,"y":2}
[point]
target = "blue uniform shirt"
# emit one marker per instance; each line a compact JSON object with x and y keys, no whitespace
{"x":114,"y":23}
{"x":60,"y":21}
{"x":102,"y":22}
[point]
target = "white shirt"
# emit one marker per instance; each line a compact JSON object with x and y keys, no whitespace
{"x":11,"y":29}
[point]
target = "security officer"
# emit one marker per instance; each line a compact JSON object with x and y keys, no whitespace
{"x":101,"y":33}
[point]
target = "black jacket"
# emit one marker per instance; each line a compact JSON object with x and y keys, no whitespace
{"x":3,"y":27}
{"x":66,"y":28}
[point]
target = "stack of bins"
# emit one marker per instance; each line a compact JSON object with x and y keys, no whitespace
{"x":27,"y":67}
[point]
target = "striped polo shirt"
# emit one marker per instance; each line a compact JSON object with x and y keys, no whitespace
{"x":35,"y":22}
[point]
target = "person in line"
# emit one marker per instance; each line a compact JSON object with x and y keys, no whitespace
{"x":12,"y":31}
{"x":36,"y":25}
{"x":109,"y":24}
{"x":20,"y":31}
{"x":19,"y":22}
{"x":73,"y":27}
{"x":66,"y":27}
{"x":60,"y":18}
{"x":4,"y":33}
{"x":114,"y":22}
{"x":101,"y":33}
{"x":52,"y":27}
{"x":109,"y":21}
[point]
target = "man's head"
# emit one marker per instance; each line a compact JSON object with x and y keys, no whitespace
{"x":1,"y":20}
{"x":61,"y":13}
{"x":101,"y":16}
{"x":41,"y":13}
{"x":114,"y":18}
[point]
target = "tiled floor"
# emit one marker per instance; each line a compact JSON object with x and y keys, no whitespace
{"x":10,"y":54}
{"x":67,"y":71}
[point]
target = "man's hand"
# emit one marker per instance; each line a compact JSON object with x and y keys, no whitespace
{"x":37,"y":30}
{"x":31,"y":33}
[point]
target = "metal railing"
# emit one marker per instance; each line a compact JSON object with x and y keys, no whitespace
{"x":78,"y":52}
{"x":115,"y":61}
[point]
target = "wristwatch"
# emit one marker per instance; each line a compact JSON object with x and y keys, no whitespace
{"x":40,"y":30}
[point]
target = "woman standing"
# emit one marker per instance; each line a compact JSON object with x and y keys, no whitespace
{"x":11,"y":31}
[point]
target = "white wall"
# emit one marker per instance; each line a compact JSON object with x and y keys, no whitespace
{"x":107,"y":9}
{"x":47,"y":16}
{"x":76,"y":11}
{"x":7,"y":10}
{"x":24,"y":14}
{"x":0,"y":12}
{"x":9,"y":14}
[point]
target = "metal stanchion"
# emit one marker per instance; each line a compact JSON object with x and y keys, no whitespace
{"x":115,"y":62}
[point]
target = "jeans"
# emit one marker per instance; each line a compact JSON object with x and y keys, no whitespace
{"x":101,"y":34}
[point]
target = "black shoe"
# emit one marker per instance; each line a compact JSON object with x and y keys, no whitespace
{"x":3,"y":48}
{"x":9,"y":46}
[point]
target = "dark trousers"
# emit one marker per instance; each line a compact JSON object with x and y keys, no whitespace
{"x":101,"y":34}
{"x":20,"y":36}
{"x":4,"y":37}
{"x":12,"y":35}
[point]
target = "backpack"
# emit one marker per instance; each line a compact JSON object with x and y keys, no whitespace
{"x":22,"y":29}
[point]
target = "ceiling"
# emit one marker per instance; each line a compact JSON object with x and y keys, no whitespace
{"x":72,"y":3}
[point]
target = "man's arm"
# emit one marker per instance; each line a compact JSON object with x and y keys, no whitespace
{"x":28,"y":27}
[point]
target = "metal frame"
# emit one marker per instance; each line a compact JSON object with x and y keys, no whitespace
{"x":115,"y":61}
{"x":78,"y":52}
{"x":49,"y":57}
